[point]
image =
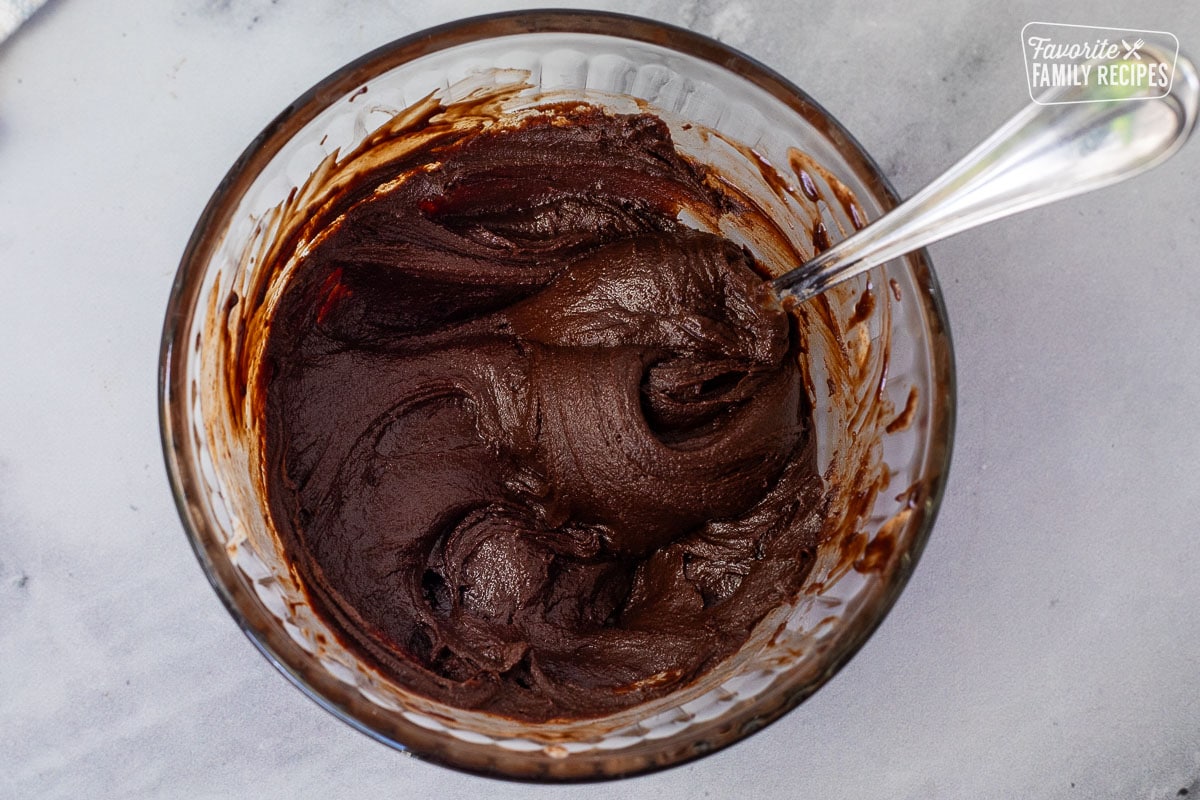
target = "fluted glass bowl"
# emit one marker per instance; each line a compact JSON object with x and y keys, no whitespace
{"x":883,"y":370}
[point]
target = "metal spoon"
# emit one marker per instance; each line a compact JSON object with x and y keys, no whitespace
{"x":1044,"y":153}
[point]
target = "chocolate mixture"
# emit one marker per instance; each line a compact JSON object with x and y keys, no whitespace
{"x":533,"y":446}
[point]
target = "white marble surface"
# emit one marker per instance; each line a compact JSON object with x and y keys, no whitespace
{"x":1048,"y":646}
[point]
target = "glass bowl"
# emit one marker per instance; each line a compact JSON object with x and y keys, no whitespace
{"x":878,"y":353}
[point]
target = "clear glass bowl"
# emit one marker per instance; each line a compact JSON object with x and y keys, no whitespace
{"x":884,"y":426}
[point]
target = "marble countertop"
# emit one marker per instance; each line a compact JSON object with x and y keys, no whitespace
{"x":1047,"y":647}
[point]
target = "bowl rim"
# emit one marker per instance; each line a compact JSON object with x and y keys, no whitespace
{"x":173,"y":390}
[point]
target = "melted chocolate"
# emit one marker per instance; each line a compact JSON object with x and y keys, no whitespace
{"x":533,"y":446}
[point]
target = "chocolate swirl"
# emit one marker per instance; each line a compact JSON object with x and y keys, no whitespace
{"x":534,"y":446}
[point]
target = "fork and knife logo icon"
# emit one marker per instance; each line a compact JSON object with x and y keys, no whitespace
{"x":1131,"y":50}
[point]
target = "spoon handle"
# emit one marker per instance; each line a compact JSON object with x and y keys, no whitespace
{"x":1044,"y":153}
